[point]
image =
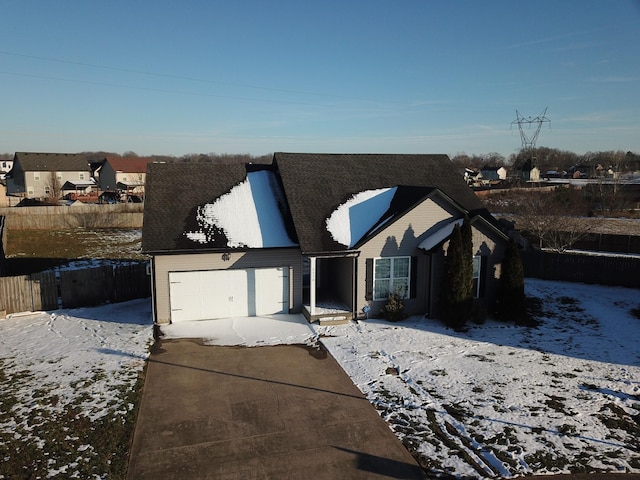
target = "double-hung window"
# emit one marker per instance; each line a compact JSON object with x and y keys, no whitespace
{"x":391,"y":275}
{"x":477,"y":267}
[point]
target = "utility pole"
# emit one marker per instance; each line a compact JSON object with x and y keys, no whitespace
{"x":529,"y":141}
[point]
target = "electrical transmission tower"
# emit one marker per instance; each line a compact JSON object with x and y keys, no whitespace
{"x":529,"y":141}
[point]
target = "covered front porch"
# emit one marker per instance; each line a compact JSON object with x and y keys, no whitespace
{"x":329,"y":288}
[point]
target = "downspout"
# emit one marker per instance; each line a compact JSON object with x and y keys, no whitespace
{"x":152,"y":273}
{"x":354,"y":289}
{"x":430,"y":293}
{"x":312,"y":286}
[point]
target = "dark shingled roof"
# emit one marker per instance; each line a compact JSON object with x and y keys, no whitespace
{"x":316,"y":184}
{"x":52,"y":162}
{"x":174,"y":191}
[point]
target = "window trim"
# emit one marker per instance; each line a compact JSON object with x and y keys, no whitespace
{"x":477,"y":279}
{"x":391,"y":278}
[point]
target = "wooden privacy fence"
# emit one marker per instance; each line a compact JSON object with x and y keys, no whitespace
{"x":623,"y":271}
{"x":74,"y":288}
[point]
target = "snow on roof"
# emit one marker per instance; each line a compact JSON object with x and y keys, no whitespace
{"x":348,"y":223}
{"x":130,"y":183}
{"x":80,"y":183}
{"x":248,"y":215}
{"x":440,"y":235}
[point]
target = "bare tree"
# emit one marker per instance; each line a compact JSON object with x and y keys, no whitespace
{"x":555,"y":218}
{"x":53,"y":187}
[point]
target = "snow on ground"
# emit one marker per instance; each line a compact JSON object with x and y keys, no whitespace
{"x":68,"y":360}
{"x":495,"y":400}
{"x":505,"y":400}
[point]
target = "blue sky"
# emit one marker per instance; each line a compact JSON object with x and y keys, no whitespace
{"x":176,"y":77}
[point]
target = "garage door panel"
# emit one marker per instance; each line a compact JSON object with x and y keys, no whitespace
{"x":185,"y":297}
{"x":272,"y":291}
{"x":214,"y":294}
{"x":223,"y":294}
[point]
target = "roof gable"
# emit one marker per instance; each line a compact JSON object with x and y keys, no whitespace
{"x":52,"y":162}
{"x":316,"y":185}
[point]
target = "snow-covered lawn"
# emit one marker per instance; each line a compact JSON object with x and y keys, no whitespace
{"x":496,"y":400}
{"x":506,"y":400}
{"x":67,"y":380}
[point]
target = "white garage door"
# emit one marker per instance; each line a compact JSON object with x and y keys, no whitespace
{"x":228,"y":293}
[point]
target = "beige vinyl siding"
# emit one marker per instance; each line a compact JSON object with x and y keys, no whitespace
{"x":489,"y":244}
{"x":486,"y":243}
{"x":402,"y":239}
{"x":163,"y":264}
{"x":37,"y":181}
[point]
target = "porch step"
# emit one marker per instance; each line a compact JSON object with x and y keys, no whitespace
{"x":332,"y":320}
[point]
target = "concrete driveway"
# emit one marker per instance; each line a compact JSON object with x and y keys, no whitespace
{"x":279,"y":412}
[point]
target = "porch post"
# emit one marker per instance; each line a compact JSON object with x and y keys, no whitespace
{"x":354,"y":288}
{"x":312,"y":285}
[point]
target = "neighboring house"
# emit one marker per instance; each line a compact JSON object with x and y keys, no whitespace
{"x":534,"y":174}
{"x":43,"y":175}
{"x":473,"y":177}
{"x":493,"y":173}
{"x":329,"y":235}
{"x":126,"y":174}
{"x":5,"y":167}
{"x":4,"y":202}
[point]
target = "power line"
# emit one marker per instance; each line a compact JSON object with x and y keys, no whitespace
{"x":529,"y":141}
{"x":180,"y":77}
{"x":151,"y":89}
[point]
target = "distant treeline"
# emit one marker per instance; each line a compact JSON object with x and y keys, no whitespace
{"x":188,"y":158}
{"x":552,"y":159}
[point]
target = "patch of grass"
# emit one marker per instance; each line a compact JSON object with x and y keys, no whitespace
{"x":568,"y":301}
{"x":66,"y":441}
{"x":457,"y":411}
{"x":561,"y":374}
{"x":556,"y":403}
{"x":615,"y":417}
{"x":481,"y":358}
{"x":546,"y":460}
{"x":506,"y":437}
{"x":55,"y":246}
{"x":534,"y":312}
{"x":567,"y":429}
{"x":438,"y":373}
